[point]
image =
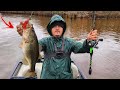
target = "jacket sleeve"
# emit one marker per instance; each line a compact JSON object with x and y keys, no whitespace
{"x":78,"y":47}
{"x":42,"y":42}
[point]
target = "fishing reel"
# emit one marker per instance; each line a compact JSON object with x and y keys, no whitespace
{"x":93,"y":43}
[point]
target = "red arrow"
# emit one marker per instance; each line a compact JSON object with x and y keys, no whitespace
{"x":9,"y":23}
{"x":25,"y":23}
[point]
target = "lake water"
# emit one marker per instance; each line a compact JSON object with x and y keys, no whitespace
{"x":106,"y":59}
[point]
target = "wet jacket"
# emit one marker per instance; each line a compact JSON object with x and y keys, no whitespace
{"x":59,"y":67}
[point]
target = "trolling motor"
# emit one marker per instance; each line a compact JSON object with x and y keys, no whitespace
{"x":92,"y":44}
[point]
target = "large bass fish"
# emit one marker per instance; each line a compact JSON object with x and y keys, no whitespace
{"x":30,"y":48}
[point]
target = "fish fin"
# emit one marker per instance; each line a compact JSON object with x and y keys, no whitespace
{"x":24,"y":61}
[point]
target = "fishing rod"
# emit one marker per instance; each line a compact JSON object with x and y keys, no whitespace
{"x":93,"y":20}
{"x":93,"y":43}
{"x":90,"y":43}
{"x":31,"y":15}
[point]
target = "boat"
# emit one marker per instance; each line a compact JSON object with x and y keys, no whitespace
{"x":20,"y":68}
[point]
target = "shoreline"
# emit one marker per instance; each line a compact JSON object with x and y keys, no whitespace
{"x":70,"y":14}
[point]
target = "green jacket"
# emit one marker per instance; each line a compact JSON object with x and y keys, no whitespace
{"x":59,"y":68}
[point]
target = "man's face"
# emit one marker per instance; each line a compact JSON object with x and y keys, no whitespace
{"x":57,"y":31}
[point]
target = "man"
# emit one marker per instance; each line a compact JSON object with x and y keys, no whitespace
{"x":57,"y":50}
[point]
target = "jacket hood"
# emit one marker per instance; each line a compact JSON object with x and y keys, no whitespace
{"x":53,"y":20}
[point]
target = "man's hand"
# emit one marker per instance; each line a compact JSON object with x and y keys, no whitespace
{"x":20,"y":28}
{"x":93,"y":35}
